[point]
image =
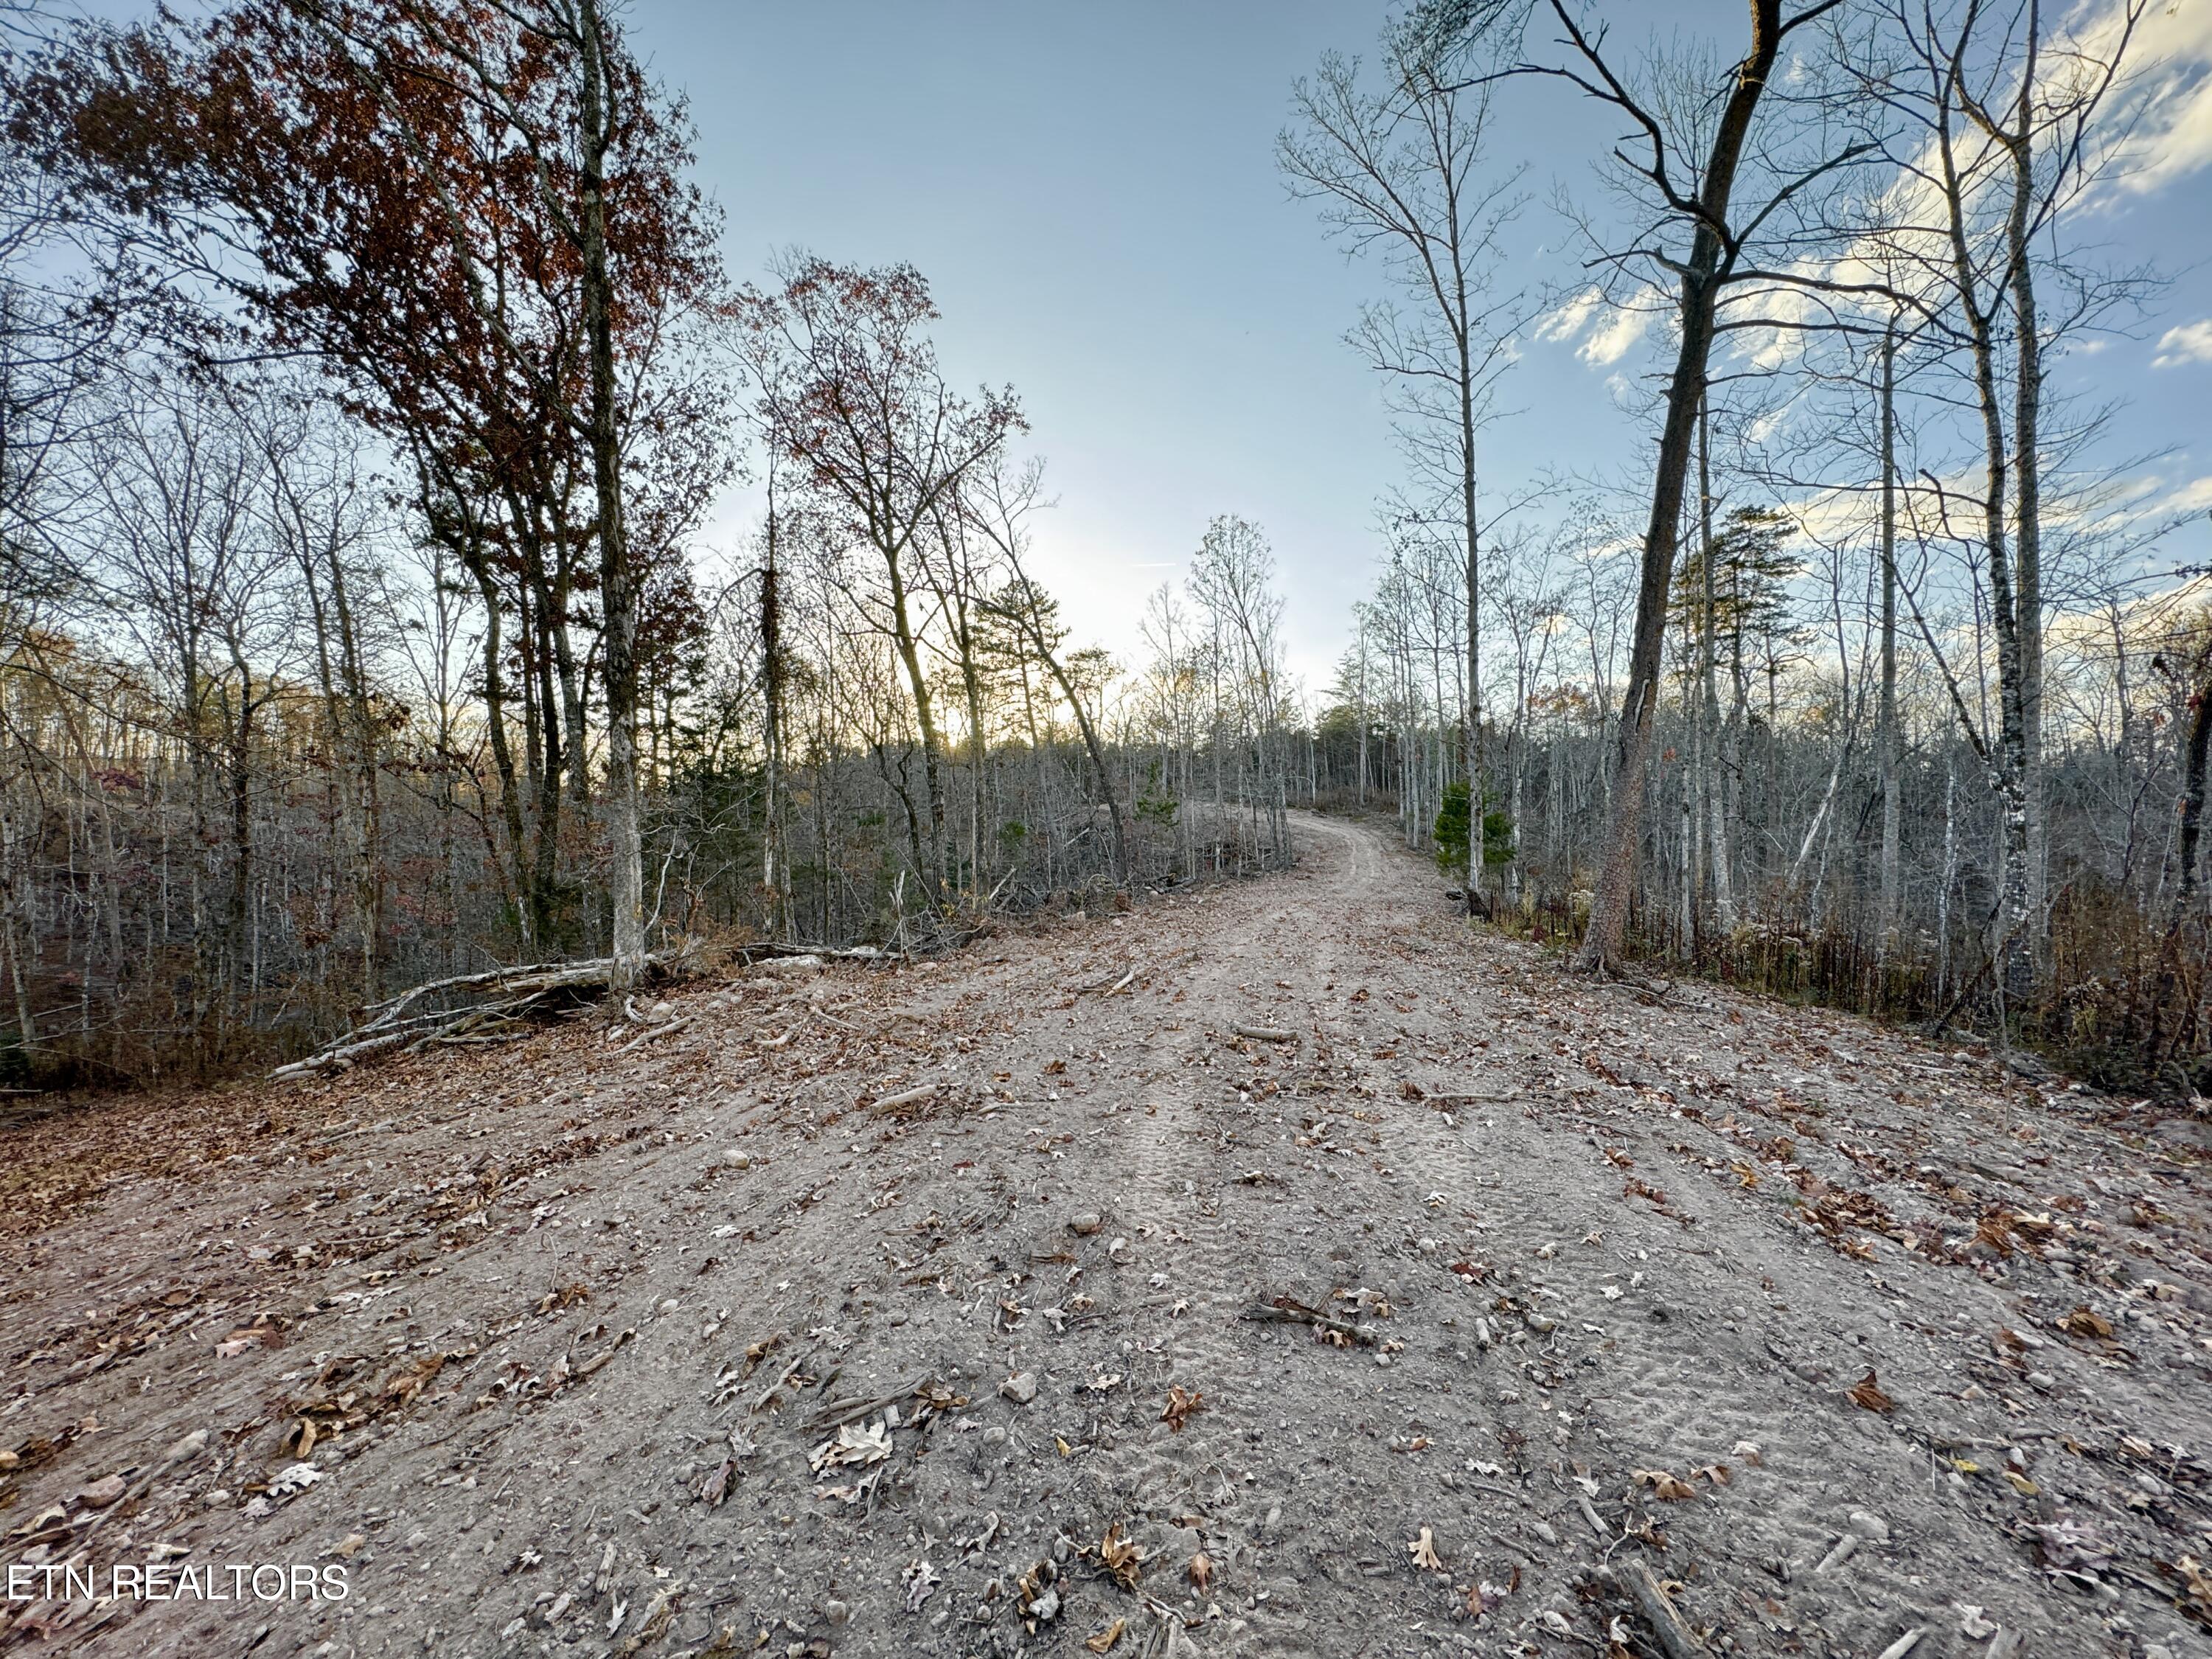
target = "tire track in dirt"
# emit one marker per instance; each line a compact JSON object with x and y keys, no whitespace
{"x":1177,"y":1168}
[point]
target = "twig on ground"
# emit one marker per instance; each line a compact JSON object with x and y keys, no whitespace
{"x":653,"y":1031}
{"x":1676,"y":1639}
{"x":906,"y":1097}
{"x":1284,"y":1310}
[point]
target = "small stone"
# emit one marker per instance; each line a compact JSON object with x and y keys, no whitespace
{"x":836,"y":1613}
{"x":1084,"y":1225}
{"x":1046,"y":1606}
{"x":1869,"y":1526}
{"x":108,"y":1489}
{"x":1021,"y":1388}
{"x":737,"y":1160}
{"x":1545,"y":1530}
{"x":350,"y":1546}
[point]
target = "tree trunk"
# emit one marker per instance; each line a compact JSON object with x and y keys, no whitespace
{"x":1888,"y":743}
{"x":2192,"y":789}
{"x":1715,"y":761}
{"x":2027,"y":493}
{"x":617,"y":596}
{"x":1685,"y":392}
{"x":1476,"y":782}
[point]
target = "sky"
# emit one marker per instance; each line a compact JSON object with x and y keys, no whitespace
{"x":1092,"y":194}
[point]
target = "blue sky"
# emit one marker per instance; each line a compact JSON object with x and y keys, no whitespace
{"x":1092,"y":193}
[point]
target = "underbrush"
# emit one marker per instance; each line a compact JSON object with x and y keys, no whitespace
{"x":2119,"y":999}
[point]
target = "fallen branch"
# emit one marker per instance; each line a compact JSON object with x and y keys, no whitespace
{"x":1265,"y":1034}
{"x":653,"y":1031}
{"x":442,"y":1012}
{"x":603,"y":1356}
{"x":1284,"y":1310}
{"x":1591,"y":1515}
{"x":1676,"y":1639}
{"x":1620,"y":979}
{"x":498,"y":996}
{"x":844,"y":1411}
{"x":906,"y":1097}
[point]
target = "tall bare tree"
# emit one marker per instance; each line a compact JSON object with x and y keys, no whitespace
{"x":1394,"y":157}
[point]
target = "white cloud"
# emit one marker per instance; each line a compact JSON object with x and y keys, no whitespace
{"x":2171,"y":111}
{"x":1613,"y":338}
{"x":2192,"y":342}
{"x":1567,"y":320}
{"x":2191,"y":497}
{"x":1607,"y":333}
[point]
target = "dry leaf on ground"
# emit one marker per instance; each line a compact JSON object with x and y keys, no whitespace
{"x":1179,"y":1407}
{"x":1867,"y":1395}
{"x":1671,"y":1487}
{"x":1121,"y":1557}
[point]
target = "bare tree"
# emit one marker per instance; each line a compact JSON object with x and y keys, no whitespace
{"x":1397,"y":171}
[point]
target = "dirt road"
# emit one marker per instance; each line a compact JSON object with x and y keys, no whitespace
{"x":1807,"y":1322}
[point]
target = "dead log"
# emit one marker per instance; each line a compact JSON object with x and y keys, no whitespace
{"x":462,"y":1005}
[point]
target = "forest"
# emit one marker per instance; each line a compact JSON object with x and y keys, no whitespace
{"x":373,"y":378}
{"x":1263,"y":830}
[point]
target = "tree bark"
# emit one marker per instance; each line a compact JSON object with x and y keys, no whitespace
{"x":1888,"y":743}
{"x":618,"y":594}
{"x":1701,"y":277}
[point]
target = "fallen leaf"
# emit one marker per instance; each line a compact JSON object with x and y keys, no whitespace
{"x":716,"y":1486}
{"x":921,"y":1579}
{"x":1179,"y":1407}
{"x":1867,"y":1395}
{"x":1121,"y":1557}
{"x":2085,"y":1322}
{"x":853,"y":1445}
{"x":296,"y":1479}
{"x":1103,"y":1642}
{"x":1671,"y":1488}
{"x":1423,"y":1552}
{"x":1201,"y":1571}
